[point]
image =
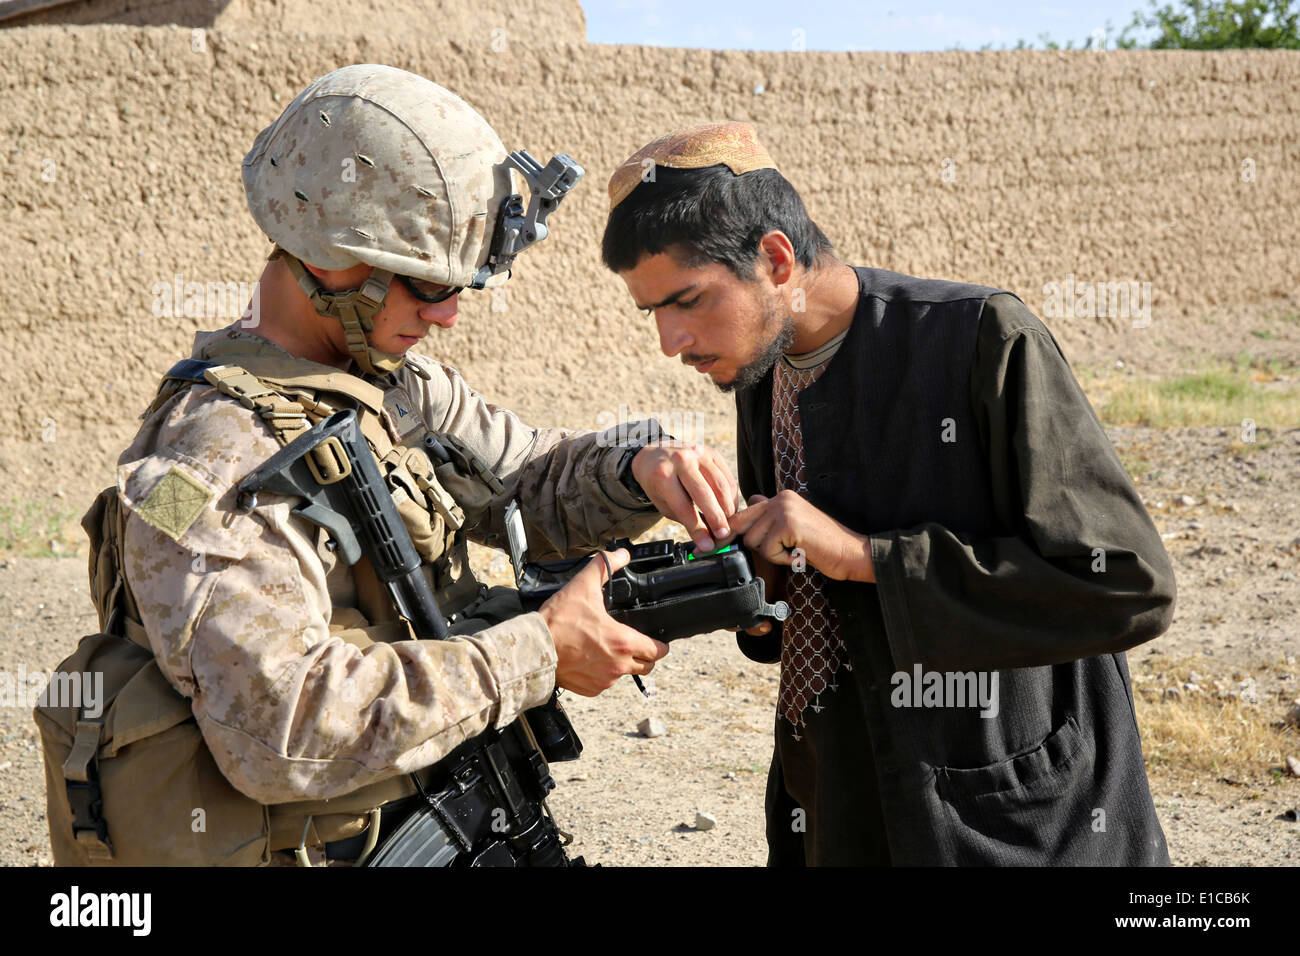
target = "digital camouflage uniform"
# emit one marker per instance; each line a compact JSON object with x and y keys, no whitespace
{"x":239,"y":608}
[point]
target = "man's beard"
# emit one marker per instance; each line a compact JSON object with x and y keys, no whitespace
{"x":754,"y":372}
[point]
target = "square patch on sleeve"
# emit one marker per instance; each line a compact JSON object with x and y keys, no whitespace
{"x":174,"y":503}
{"x":401,"y":412}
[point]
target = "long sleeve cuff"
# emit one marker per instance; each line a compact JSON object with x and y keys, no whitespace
{"x":616,"y":441}
{"x":607,"y":474}
{"x":893,"y":600}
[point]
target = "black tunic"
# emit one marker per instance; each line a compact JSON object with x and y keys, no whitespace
{"x":1007,"y":538}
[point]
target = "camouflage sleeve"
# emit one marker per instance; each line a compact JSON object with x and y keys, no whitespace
{"x":566,"y":481}
{"x":237,"y":608}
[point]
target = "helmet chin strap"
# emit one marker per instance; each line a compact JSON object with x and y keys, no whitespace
{"x":354,"y":310}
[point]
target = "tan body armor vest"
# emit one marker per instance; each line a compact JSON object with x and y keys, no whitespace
{"x":127,"y":787}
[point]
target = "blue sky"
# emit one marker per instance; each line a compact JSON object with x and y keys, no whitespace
{"x":850,"y":25}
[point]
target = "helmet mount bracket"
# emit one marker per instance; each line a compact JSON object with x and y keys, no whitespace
{"x":516,"y":229}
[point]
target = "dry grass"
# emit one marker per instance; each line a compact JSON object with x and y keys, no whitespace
{"x":1223,"y":394}
{"x":1212,"y":731}
{"x":41,"y":529}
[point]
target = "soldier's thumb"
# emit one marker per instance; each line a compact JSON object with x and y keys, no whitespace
{"x":600,"y":570}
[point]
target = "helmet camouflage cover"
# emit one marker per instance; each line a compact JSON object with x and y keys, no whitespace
{"x":371,"y":164}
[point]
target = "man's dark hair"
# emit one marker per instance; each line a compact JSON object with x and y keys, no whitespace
{"x":710,"y":215}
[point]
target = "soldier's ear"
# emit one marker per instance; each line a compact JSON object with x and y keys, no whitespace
{"x":325,"y":277}
{"x":338,"y":280}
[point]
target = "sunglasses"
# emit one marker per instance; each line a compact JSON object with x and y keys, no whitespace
{"x":427,"y":291}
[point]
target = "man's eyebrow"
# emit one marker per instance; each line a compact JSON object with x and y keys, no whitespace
{"x":668,"y":301}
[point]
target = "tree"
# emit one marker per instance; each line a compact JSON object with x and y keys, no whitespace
{"x":1222,"y":25}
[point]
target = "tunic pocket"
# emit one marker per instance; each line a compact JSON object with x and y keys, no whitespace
{"x":1030,"y":809}
{"x":1048,"y":759}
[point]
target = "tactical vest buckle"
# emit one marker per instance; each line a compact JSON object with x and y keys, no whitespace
{"x":88,"y":824}
{"x":87,"y":804}
{"x":81,"y":780}
{"x":328,"y":462}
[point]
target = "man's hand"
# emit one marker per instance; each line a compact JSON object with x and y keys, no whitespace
{"x":691,"y":484}
{"x":593,"y":649}
{"x":776,"y":528}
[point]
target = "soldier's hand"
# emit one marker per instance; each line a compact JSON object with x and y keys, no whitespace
{"x":691,"y":484}
{"x":593,"y":649}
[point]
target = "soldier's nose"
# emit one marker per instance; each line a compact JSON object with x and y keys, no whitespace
{"x":442,"y":314}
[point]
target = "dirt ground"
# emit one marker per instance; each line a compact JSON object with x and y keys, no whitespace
{"x":898,"y":162}
{"x":633,"y":801}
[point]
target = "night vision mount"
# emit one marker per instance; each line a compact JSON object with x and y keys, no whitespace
{"x":516,"y":230}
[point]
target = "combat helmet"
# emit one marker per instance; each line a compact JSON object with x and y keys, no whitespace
{"x":371,"y":164}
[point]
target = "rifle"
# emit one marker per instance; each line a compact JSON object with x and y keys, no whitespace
{"x":489,"y":809}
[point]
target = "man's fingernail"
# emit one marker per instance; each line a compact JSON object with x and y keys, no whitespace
{"x":724,"y":531}
{"x":706,"y":544}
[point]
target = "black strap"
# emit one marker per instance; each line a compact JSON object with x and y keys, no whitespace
{"x":189,"y":370}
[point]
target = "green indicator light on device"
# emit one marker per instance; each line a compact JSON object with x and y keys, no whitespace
{"x":692,"y":556}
